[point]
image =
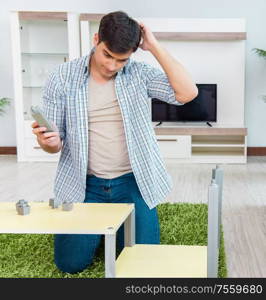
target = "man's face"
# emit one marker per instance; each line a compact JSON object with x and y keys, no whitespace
{"x":107,"y":62}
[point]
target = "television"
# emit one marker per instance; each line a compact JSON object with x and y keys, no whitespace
{"x":201,"y":109}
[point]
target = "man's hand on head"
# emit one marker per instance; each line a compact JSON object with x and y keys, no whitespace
{"x":148,"y":41}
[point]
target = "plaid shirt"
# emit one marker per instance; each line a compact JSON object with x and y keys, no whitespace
{"x":65,"y":102}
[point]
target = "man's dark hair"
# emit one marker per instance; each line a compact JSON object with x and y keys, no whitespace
{"x":119,"y":32}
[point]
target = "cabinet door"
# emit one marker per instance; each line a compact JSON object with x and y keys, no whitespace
{"x":41,"y":41}
{"x":175,"y":146}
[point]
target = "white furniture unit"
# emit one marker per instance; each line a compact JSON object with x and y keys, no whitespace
{"x":40,"y":42}
{"x":202,"y":145}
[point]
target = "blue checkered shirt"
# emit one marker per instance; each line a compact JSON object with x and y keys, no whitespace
{"x":65,"y":102}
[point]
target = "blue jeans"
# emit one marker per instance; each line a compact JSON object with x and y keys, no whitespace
{"x":75,"y":252}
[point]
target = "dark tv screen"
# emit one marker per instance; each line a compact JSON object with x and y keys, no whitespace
{"x":201,"y":109}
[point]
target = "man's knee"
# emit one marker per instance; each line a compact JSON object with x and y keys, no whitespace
{"x":74,"y":253}
{"x":72,"y":267}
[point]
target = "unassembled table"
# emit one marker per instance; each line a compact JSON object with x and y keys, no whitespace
{"x":85,"y":218}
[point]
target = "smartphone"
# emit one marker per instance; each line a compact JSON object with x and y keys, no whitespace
{"x":41,"y":119}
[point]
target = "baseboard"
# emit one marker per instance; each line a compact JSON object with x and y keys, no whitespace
{"x":256,"y":151}
{"x":8,"y":150}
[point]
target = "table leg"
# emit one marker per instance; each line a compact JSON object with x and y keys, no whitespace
{"x":110,"y":255}
{"x":129,"y":230}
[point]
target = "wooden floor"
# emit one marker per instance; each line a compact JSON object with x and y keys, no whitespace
{"x":244,"y":202}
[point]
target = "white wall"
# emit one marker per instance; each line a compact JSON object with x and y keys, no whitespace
{"x":220,"y":62}
{"x":252,"y":11}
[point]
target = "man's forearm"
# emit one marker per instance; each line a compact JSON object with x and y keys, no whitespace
{"x":181,"y":82}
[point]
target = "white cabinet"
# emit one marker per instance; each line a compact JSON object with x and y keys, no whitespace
{"x":203,"y":145}
{"x":40,"y":42}
{"x":175,"y":146}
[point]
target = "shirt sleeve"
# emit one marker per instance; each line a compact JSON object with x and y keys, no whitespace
{"x":158,"y":85}
{"x":53,"y":101}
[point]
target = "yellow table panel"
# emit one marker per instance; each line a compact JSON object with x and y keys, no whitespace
{"x":85,"y":218}
{"x":170,"y":261}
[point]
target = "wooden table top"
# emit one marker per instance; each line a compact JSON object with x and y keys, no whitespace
{"x":85,"y":218}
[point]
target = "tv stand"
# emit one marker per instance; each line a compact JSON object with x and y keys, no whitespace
{"x":209,"y":124}
{"x":159,"y":124}
{"x":202,"y":144}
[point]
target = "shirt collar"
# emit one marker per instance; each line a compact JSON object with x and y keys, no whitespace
{"x":86,"y":71}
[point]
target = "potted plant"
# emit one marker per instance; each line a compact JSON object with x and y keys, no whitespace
{"x":3,"y":102}
{"x":261,"y":53}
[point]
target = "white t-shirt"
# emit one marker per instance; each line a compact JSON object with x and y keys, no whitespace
{"x":108,"y":153}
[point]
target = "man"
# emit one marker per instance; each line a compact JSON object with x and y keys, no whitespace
{"x":109,"y":153}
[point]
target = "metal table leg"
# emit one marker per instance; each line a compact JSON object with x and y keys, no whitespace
{"x":129,"y":230}
{"x":110,"y":254}
{"x":110,"y":244}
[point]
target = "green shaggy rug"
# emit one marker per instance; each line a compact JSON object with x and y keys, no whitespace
{"x":31,"y":255}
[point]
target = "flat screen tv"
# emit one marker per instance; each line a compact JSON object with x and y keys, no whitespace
{"x":202,"y":109}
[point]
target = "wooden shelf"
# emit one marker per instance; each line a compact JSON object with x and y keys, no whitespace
{"x":42,"y":15}
{"x":219,"y":140}
{"x":91,"y":17}
{"x":218,"y":151}
{"x":39,"y":53}
{"x":200,"y":36}
{"x":200,"y":131}
{"x":216,"y":145}
{"x":162,"y":261}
